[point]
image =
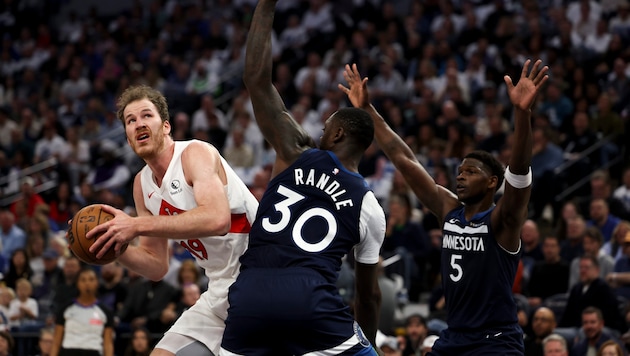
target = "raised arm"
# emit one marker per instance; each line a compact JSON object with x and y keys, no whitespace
{"x":511,"y":211}
{"x":435,"y":197}
{"x":286,"y":136}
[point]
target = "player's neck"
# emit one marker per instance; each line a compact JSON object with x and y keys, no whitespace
{"x":470,"y":209}
{"x":159,"y":164}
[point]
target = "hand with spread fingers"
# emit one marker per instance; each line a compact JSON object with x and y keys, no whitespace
{"x":357,"y":90}
{"x":115,"y":233}
{"x":523,"y":94}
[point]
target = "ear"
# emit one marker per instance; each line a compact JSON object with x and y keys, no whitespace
{"x":492,"y":182}
{"x":167,"y":127}
{"x":339,"y":134}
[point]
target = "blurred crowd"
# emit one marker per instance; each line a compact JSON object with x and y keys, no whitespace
{"x":435,"y":71}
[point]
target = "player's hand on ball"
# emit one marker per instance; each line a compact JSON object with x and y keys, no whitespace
{"x":116,"y":233}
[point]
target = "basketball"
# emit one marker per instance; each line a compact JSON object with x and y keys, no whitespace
{"x":82,"y":222}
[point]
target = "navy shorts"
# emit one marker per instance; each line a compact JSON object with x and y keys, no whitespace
{"x":289,"y":311}
{"x":500,"y":341}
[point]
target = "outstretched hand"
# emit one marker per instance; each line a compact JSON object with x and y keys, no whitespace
{"x":357,"y":92}
{"x":523,"y":94}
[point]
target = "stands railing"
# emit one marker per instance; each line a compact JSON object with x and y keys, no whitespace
{"x":584,"y":180}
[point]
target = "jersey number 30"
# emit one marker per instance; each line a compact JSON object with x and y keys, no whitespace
{"x":283,"y":207}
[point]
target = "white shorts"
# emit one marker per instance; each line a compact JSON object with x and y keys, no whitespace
{"x":200,"y":323}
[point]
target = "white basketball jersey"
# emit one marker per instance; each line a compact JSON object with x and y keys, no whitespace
{"x":218,"y":255}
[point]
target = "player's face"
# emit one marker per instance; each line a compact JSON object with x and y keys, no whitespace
{"x":327,"y":140}
{"x":473,"y":181}
{"x":145,"y":130}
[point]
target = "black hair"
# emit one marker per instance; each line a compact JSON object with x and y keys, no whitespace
{"x":358,"y":124}
{"x":488,"y":160}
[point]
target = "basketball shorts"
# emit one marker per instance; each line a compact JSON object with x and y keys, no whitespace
{"x":500,"y":341}
{"x":289,"y":312}
{"x":200,"y":323}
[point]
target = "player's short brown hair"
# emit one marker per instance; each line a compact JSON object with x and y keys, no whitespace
{"x":140,"y":92}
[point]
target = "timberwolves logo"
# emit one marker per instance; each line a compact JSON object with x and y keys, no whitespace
{"x":176,"y":187}
{"x":359,"y":333}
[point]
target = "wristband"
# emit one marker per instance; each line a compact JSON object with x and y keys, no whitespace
{"x":518,"y":181}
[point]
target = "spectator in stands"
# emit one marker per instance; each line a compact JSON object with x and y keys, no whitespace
{"x":45,"y":342}
{"x":601,"y":188}
{"x":416,"y":331}
{"x":110,"y":172}
{"x":620,"y":276}
{"x":611,"y":348}
{"x":602,"y":218}
{"x":532,"y":246}
{"x":239,"y":153}
{"x":614,"y":247}
{"x":29,"y":201}
{"x":592,"y":243}
{"x":6,"y":296}
{"x":44,"y":289}
{"x":546,"y":156}
{"x":12,"y":237}
{"x":23,"y":310}
{"x":144,"y":306}
{"x":543,"y":324}
{"x":557,"y":106}
{"x":112,"y":291}
{"x":577,"y":140}
{"x":622,"y":192}
{"x":19,"y":267}
{"x":594,"y":333}
{"x":407,"y":239}
{"x":550,"y":276}
{"x":60,"y":205}
{"x":595,"y":292}
{"x":7,"y":343}
{"x":141,"y":343}
{"x":66,"y":288}
{"x":555,"y":345}
{"x":77,"y":156}
{"x":572,"y":245}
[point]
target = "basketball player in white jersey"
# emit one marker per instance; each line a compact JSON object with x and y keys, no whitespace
{"x":187,"y":192}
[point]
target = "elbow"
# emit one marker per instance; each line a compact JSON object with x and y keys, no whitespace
{"x":220,"y":226}
{"x":158,"y":274}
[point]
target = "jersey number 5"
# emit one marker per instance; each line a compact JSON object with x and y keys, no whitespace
{"x":283,"y":207}
{"x":456,"y":267}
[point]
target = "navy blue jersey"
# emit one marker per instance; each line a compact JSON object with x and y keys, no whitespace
{"x":311,"y":215}
{"x":477,"y":273}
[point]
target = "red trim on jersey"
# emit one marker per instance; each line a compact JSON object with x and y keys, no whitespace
{"x":240,"y":224}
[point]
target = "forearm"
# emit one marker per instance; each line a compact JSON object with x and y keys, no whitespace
{"x":392,"y":144}
{"x":108,"y":342}
{"x":195,"y":223}
{"x":366,"y":314}
{"x":522,"y":153}
{"x":145,"y":263}
{"x":258,"y":64}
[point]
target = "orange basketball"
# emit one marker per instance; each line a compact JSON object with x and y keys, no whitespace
{"x":82,"y":222}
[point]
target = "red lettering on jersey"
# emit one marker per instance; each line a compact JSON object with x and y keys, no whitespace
{"x":168,"y":209}
{"x":196,"y":248}
{"x":240,"y":224}
{"x":95,"y":321}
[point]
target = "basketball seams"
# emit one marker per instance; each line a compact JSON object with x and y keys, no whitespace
{"x":81,"y":229}
{"x":84,"y":256}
